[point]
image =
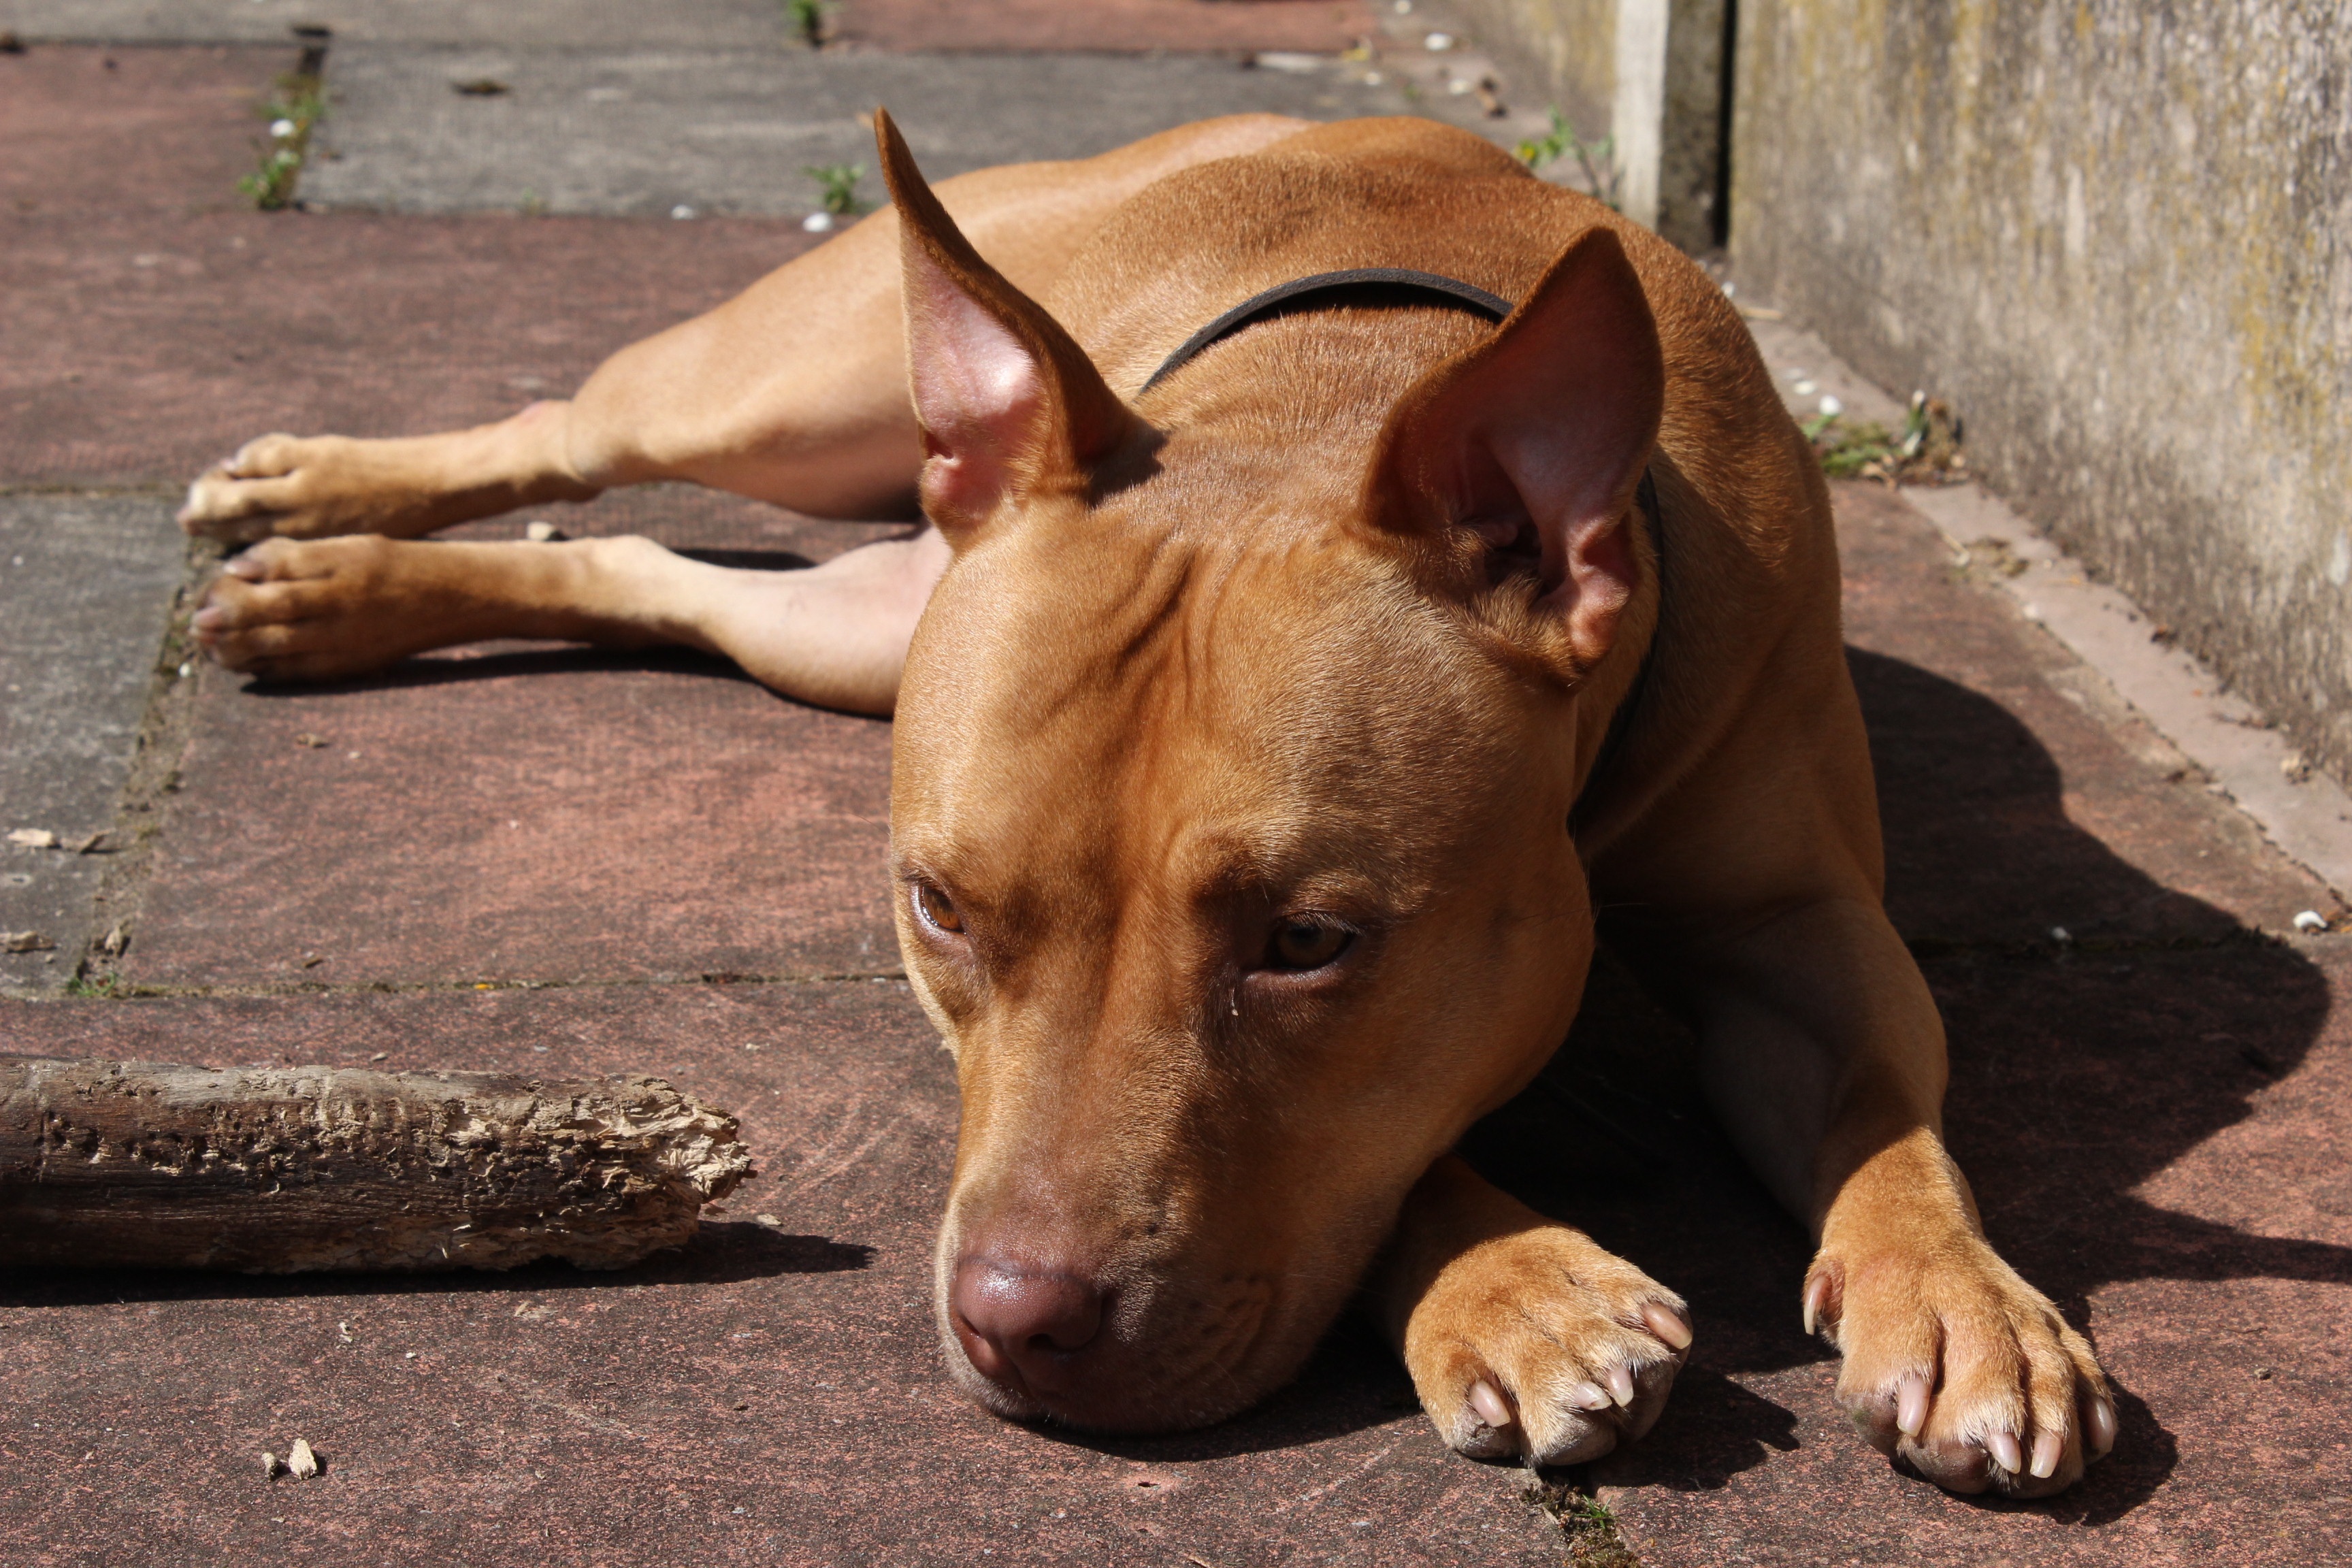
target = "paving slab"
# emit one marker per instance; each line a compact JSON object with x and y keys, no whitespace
{"x":89,"y":582}
{"x":102,"y":131}
{"x":1979,"y":716}
{"x":538,"y":24}
{"x":770,"y":1396}
{"x":2158,"y":1143}
{"x":526,"y":813}
{"x":2156,"y":1140}
{"x":1322,"y":26}
{"x":643,"y":131}
{"x":141,"y":349}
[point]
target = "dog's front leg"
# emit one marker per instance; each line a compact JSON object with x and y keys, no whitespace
{"x":1822,"y":1053}
{"x":1524,"y":1337}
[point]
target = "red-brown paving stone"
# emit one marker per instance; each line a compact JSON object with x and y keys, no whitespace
{"x":1983,"y":725}
{"x":152,"y":327}
{"x":772,"y":1395}
{"x":1317,"y":27}
{"x":2157,"y":1139}
{"x":520,"y":814}
{"x":142,"y":347}
{"x":87,"y":130}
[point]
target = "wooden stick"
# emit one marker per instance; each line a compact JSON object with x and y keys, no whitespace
{"x":288,"y":1169}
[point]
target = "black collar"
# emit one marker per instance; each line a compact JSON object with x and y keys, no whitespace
{"x":1386,"y":285}
{"x":1376,"y":281}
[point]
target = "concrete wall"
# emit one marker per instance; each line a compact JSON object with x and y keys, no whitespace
{"x":2118,"y":235}
{"x":1648,"y":72}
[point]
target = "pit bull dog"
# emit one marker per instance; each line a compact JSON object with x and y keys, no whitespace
{"x":1352,"y":563}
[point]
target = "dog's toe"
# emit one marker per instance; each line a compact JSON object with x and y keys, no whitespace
{"x":1966,"y":1375}
{"x":1542,"y":1345}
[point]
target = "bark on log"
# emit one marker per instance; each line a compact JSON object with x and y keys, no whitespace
{"x":288,"y":1169}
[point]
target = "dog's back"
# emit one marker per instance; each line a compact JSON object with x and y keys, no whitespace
{"x":1751,"y":579}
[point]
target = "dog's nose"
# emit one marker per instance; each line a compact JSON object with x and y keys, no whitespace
{"x":1021,"y":1325}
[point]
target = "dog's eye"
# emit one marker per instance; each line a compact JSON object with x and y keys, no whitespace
{"x":937,"y":910}
{"x":1307,"y":944}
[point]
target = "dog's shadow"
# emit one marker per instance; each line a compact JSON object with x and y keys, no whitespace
{"x":2080,"y":1068}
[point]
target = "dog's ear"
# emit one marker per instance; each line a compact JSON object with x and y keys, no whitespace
{"x":1536,"y":438}
{"x":1011,"y":406}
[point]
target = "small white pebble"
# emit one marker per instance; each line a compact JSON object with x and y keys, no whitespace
{"x":818,"y":223}
{"x":681,"y":211}
{"x":2061,"y":935}
{"x":1438,"y":42}
{"x":1806,"y":388}
{"x":270,"y":1466}
{"x":281,"y":129}
{"x":1830,"y":406}
{"x":2310,"y":923}
{"x":541,"y":533}
{"x":300,"y":1462}
{"x":408,"y":1355}
{"x":1373,"y":78}
{"x":1458,"y":87}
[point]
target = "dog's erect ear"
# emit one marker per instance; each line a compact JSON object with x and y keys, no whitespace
{"x":1536,"y":437}
{"x":1011,"y":406}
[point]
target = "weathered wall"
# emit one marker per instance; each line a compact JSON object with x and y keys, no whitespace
{"x":1567,"y":46}
{"x":2117,"y":235}
{"x":1648,"y":72}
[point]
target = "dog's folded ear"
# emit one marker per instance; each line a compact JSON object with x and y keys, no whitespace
{"x":1011,"y":406}
{"x":1535,"y":440}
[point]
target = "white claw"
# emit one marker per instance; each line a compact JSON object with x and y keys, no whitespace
{"x":1490,"y":1405}
{"x":2002,"y":1447}
{"x":1911,"y":1405}
{"x":1817,"y":1296}
{"x":2102,"y":1426}
{"x":1669,"y":1325}
{"x":2049,"y":1448}
{"x":1620,"y":1386}
{"x":1590,"y":1397}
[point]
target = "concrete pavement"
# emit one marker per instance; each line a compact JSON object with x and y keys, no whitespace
{"x":535,"y":859}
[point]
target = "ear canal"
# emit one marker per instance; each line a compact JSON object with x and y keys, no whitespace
{"x":1547,"y":424}
{"x":1009,"y":403}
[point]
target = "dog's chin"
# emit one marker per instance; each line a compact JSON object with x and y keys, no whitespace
{"x":1168,"y":1399}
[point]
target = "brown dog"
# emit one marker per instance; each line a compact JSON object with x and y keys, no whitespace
{"x":1267,"y":739}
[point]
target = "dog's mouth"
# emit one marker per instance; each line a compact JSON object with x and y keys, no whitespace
{"x":1139,"y":1356}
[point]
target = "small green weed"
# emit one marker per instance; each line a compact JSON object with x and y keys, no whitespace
{"x":808,"y":20}
{"x":1926,"y":452}
{"x":1597,"y":161}
{"x":300,"y":101}
{"x":1587,"y":1522}
{"x":837,"y":187}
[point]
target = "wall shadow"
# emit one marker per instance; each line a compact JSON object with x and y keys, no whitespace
{"x":2078,"y":1072}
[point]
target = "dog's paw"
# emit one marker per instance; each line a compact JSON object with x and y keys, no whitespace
{"x":1958,"y":1368}
{"x":252,"y":495}
{"x":318,"y":486}
{"x":1541,"y":1345}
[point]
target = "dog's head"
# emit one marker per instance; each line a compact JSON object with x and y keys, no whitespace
{"x":1229,"y":808}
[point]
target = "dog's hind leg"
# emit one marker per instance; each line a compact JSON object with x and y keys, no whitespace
{"x":834,"y":635}
{"x":794,"y":392}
